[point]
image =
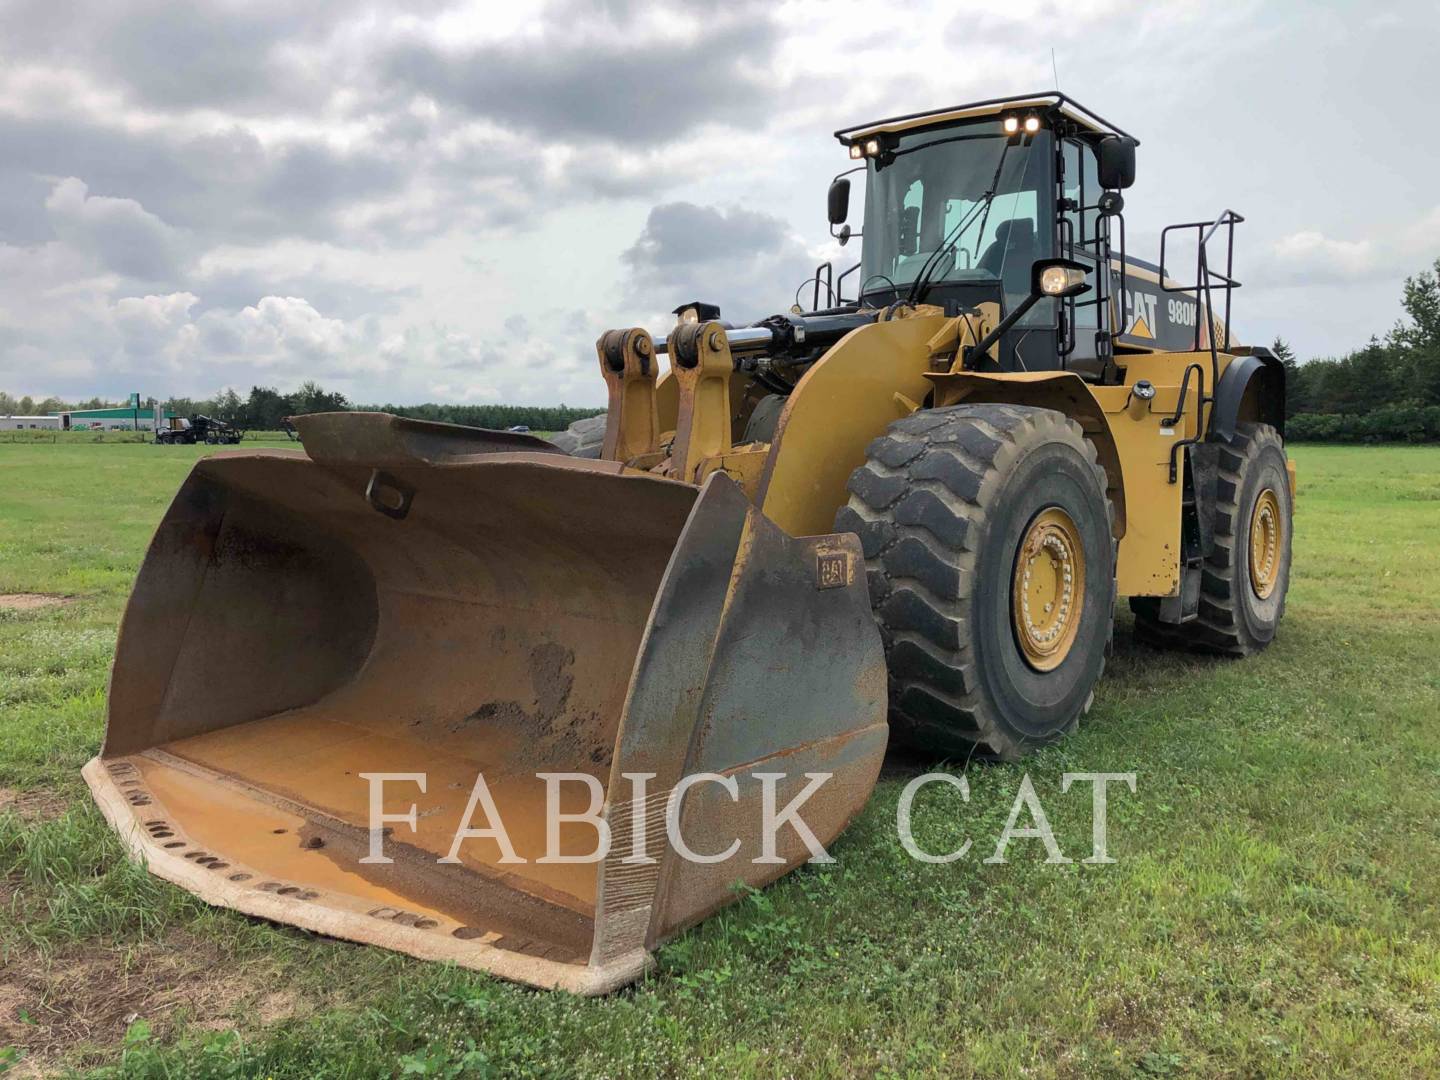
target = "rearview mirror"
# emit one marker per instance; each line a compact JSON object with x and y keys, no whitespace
{"x":1116,"y":166}
{"x":909,"y":240}
{"x":839,"y":200}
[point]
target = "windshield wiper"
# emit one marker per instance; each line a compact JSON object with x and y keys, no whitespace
{"x":932,"y":264}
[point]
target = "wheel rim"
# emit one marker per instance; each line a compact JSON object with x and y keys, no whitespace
{"x":1266,"y":534}
{"x":1048,"y":589}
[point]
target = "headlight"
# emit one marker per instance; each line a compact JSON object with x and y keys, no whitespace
{"x":1058,"y":280}
{"x":1060,"y":277}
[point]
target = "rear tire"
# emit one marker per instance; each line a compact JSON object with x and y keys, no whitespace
{"x":1241,"y":599}
{"x":952,"y":507}
{"x":584,"y":438}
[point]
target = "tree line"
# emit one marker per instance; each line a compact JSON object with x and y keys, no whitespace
{"x":1387,"y":391}
{"x":29,"y":406}
{"x":265,"y":409}
{"x":262,"y":409}
{"x":535,"y":417}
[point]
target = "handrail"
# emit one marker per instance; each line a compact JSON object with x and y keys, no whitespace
{"x":1207,"y":281}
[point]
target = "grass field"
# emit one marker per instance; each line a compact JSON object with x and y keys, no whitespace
{"x":1273,"y":909}
{"x":78,"y":438}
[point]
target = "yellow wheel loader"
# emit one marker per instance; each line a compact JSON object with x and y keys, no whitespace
{"x":461,"y":694}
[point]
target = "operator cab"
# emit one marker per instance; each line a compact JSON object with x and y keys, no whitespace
{"x":960,"y":204}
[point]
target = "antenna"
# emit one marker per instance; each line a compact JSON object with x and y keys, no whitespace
{"x":1054,"y":70}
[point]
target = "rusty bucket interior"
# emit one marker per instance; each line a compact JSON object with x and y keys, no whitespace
{"x":406,"y":600}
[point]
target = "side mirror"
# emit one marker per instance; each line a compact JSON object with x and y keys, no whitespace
{"x":839,"y":200}
{"x":1116,"y":166}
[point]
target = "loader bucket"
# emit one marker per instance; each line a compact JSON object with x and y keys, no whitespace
{"x":437,"y":604}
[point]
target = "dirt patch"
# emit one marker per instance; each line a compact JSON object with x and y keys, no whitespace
{"x":281,"y":1005}
{"x":551,"y":678}
{"x":12,"y":1007}
{"x":32,"y":601}
{"x":33,"y":805}
{"x":50,"y":1006}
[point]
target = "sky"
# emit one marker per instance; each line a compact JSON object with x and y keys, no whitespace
{"x":434,"y":201}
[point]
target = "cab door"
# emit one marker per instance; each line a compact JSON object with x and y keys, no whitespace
{"x":1083,"y":237}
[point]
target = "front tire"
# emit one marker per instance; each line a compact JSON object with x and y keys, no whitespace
{"x":991,"y":563}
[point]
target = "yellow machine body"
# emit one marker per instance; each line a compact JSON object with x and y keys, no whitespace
{"x":427,"y":604}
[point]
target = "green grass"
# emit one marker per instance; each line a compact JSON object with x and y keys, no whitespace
{"x":1272,"y":911}
{"x":80,"y":437}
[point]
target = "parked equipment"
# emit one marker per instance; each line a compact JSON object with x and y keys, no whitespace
{"x":918,"y":504}
{"x":198,"y":429}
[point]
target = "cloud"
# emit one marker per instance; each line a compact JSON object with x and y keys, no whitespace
{"x":456,"y":196}
{"x":1310,"y":257}
{"x":608,"y":73}
{"x":175,"y":55}
{"x":20,"y":196}
{"x":150,"y":326}
{"x":438,"y":349}
{"x":746,"y":261}
{"x":119,"y":234}
{"x":342,"y":297}
{"x":285,"y":334}
{"x":161,"y":337}
{"x":148,"y":149}
{"x":178,"y":56}
{"x":366,"y":124}
{"x":221,"y":185}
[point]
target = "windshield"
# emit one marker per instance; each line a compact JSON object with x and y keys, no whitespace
{"x":933,"y":198}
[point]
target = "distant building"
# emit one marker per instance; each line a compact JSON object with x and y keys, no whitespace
{"x":121,"y":419}
{"x":39,"y":423}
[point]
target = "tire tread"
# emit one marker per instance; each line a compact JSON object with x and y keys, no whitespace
{"x":1219,"y":628}
{"x":920,"y":505}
